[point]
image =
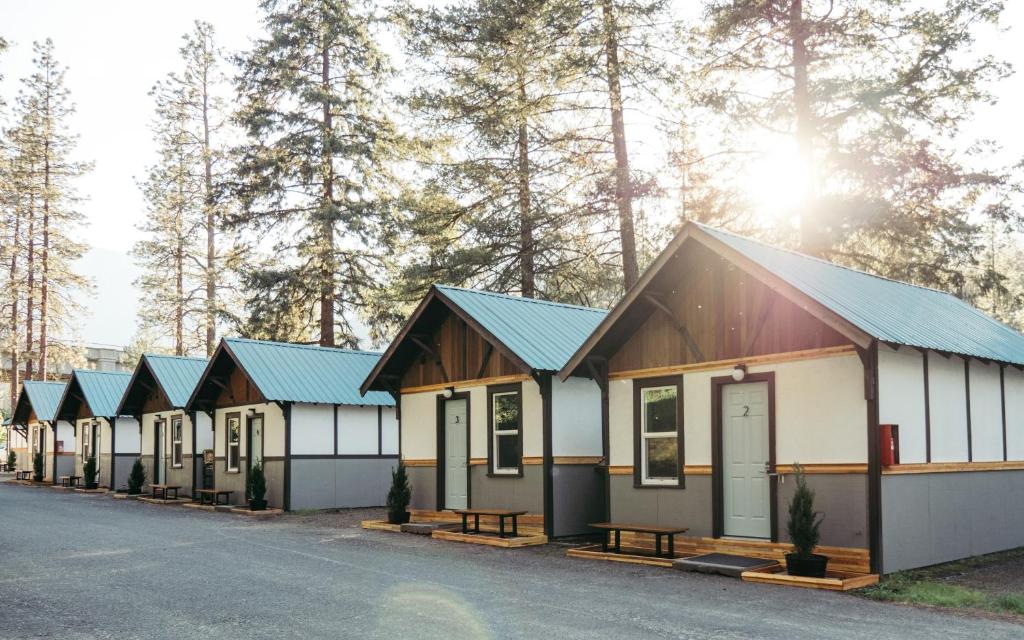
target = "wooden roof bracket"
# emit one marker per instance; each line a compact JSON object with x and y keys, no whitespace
{"x":427,"y":349}
{"x":691,"y":344}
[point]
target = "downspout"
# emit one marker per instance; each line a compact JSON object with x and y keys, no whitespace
{"x":544,"y":382}
{"x":195,"y":464}
{"x":53,"y":425}
{"x":869,"y":358}
{"x":286,"y":409}
{"x":112,"y":421}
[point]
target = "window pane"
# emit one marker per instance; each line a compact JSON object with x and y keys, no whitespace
{"x":234,"y":433}
{"x":177,"y":453}
{"x":661,"y":458}
{"x":506,"y":412}
{"x":233,"y":457}
{"x":660,"y":410}
{"x":508,"y":452}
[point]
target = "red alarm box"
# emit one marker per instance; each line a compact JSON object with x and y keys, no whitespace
{"x":889,"y":444}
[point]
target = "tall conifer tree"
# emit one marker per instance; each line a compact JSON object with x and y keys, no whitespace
{"x":314,"y":172}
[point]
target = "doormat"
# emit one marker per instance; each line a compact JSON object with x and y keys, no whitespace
{"x":723,"y":563}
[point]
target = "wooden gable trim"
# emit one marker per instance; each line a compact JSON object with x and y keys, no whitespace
{"x":70,"y":394}
{"x":137,"y":380}
{"x":208,"y":378}
{"x":769,"y":279}
{"x":406,"y":332}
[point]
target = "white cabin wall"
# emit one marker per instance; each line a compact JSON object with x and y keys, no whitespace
{"x":986,"y":412}
{"x":389,"y":431}
{"x":358,"y":430}
{"x":901,"y":400}
{"x":312,"y":429}
{"x":127,"y":439}
{"x":620,"y":422}
{"x":1014,"y":383}
{"x":575,"y":417}
{"x":948,"y":398}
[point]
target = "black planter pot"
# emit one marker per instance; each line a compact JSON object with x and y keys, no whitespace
{"x":398,"y":518}
{"x":92,"y":485}
{"x":812,"y":566}
{"x":257,"y":505}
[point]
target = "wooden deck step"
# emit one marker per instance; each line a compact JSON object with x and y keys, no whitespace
{"x":490,"y":540}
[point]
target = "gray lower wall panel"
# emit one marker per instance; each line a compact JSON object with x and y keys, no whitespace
{"x":339,"y":483}
{"x":511,"y":492}
{"x":65,"y":466}
{"x":423,"y":482}
{"x":841,"y":497}
{"x":689,"y":507}
{"x":122,"y":469}
{"x":930,"y":518}
{"x":578,"y":498}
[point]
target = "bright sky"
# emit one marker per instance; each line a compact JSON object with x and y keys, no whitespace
{"x":117,"y":49}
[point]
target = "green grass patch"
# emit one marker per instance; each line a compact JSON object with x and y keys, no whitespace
{"x":928,"y":587}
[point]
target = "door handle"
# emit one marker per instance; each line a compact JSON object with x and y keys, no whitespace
{"x":769,"y":470}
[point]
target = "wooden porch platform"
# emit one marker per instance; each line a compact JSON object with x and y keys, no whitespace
{"x":162,"y":501}
{"x":490,"y":540}
{"x":629,"y":555}
{"x":843,"y":559}
{"x":381,"y":525}
{"x":833,"y":580}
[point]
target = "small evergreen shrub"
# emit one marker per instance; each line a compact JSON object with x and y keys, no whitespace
{"x":804,"y":521}
{"x":12,"y":460}
{"x":257,"y":489}
{"x":136,"y":478}
{"x":399,"y":496}
{"x":37,"y":466}
{"x":89,"y":472}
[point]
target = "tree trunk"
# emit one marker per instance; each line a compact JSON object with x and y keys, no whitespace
{"x":810,"y":233}
{"x":31,"y":284}
{"x":15,"y":291}
{"x":327,"y":208}
{"x":623,"y":184}
{"x":44,"y":283}
{"x":211,"y":222}
{"x":527,"y":268}
{"x":179,"y":297}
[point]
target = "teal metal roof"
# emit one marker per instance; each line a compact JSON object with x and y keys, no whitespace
{"x":102,"y":390}
{"x":44,"y":398}
{"x":888,"y":310}
{"x":543,"y":334}
{"x":305,"y":373}
{"x":176,"y":375}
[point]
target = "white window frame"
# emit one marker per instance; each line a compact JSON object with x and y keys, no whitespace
{"x":644,"y":436}
{"x":229,"y":445}
{"x":495,"y":469}
{"x":177,"y":442}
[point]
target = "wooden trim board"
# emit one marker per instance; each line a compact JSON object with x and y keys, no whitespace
{"x":952,"y":467}
{"x":751,"y":361}
{"x":810,"y":469}
{"x":491,"y":540}
{"x":833,"y":580}
{"x":479,"y":382}
{"x":381,"y":525}
{"x":629,"y":555}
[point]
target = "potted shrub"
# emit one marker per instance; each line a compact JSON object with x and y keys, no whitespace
{"x":399,"y":496}
{"x":136,"y":478}
{"x":803,"y":526}
{"x":37,"y":466}
{"x":89,"y":473}
{"x":257,"y":489}
{"x":12,"y":460}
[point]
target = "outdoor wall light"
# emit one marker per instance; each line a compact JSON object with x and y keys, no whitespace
{"x":250,"y":412}
{"x":739,"y":372}
{"x":449,"y":392}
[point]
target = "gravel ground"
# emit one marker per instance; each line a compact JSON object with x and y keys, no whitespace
{"x":87,"y":566}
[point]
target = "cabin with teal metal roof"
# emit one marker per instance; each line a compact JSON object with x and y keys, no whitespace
{"x":485,"y":421}
{"x":731,"y":361}
{"x":172,"y":440}
{"x":90,"y":402}
{"x":35,"y":416}
{"x":296,"y":410}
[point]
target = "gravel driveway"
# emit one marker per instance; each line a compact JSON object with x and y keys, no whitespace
{"x":87,"y":566}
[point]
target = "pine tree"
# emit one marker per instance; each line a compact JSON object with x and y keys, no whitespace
{"x":872,"y":93}
{"x":504,"y":206}
{"x":44,"y":176}
{"x":184,"y":260}
{"x":315,"y":169}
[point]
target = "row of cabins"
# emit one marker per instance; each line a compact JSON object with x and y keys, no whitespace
{"x":688,"y":404}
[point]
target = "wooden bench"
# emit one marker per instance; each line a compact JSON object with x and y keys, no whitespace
{"x":500,"y":514}
{"x":69,"y":481}
{"x":163,"y":490}
{"x":214,"y":496}
{"x":608,"y":527}
{"x":22,"y":475}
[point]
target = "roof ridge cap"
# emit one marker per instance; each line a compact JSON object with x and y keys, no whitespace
{"x":520,"y":298}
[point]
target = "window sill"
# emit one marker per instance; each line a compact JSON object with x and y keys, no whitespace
{"x":510,"y":474}
{"x":675,"y":485}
